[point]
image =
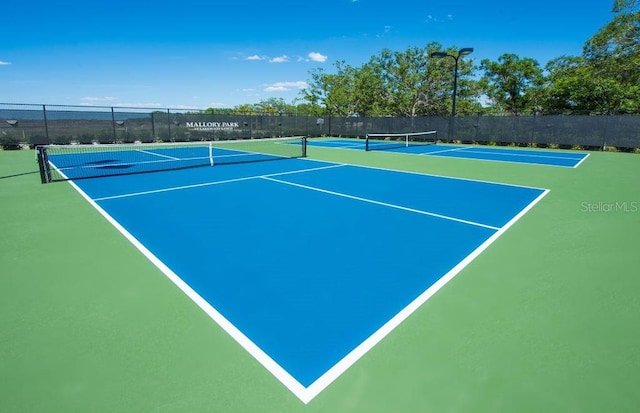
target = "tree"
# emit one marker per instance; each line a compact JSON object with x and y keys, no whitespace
{"x":513,"y":83}
{"x":334,"y":92}
{"x":392,"y":83}
{"x":614,"y":50}
{"x":271,"y":106}
{"x":605,"y":79}
{"x":621,"y":5}
{"x":369,"y":94}
{"x":574,"y":85}
{"x":404,"y":77}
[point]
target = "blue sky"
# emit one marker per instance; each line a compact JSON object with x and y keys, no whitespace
{"x":198,"y":54}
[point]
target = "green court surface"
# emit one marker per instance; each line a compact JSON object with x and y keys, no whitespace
{"x":544,"y":320}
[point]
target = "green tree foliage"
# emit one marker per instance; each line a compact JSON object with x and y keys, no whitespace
{"x":512,"y":83}
{"x":622,"y":5}
{"x":574,"y":85}
{"x":605,"y":79}
{"x":392,"y":83}
{"x":405,"y":80}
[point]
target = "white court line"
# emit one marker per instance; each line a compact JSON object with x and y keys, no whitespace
{"x":226,"y":181}
{"x":444,"y":150}
{"x":455,"y":178}
{"x":371,"y":201}
{"x":158,"y":154}
{"x":581,"y":160}
{"x":341,"y":145}
{"x":526,"y":155}
{"x":338,"y":145}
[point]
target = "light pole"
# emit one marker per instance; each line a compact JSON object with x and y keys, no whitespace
{"x":462,"y":52}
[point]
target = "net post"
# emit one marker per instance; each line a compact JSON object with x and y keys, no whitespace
{"x":43,"y":164}
{"x":304,"y":146}
{"x":366,"y":142}
{"x":210,"y":153}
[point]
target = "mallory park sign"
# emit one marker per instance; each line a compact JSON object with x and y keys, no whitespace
{"x":212,"y":126}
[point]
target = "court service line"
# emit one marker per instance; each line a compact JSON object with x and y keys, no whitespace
{"x":347,"y":146}
{"x":127,"y":164}
{"x":501,"y":152}
{"x":159,"y":154}
{"x":226,"y":181}
{"x":444,"y":150}
{"x":385,"y":204}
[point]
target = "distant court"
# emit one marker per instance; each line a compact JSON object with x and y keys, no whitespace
{"x":486,"y":153}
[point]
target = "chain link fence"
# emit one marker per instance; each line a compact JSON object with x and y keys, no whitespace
{"x":31,"y":125}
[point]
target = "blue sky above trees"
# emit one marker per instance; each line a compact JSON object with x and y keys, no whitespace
{"x":204,"y":54}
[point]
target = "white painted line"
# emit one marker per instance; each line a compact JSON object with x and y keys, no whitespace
{"x":581,"y":160}
{"x":444,"y":150}
{"x":158,"y":154}
{"x":503,"y":152}
{"x":334,"y":372}
{"x":427,"y":174}
{"x":371,"y":201}
{"x":175,"y":188}
{"x":226,"y":181}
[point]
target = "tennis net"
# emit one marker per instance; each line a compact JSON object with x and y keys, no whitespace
{"x":65,"y":162}
{"x":382,"y":141}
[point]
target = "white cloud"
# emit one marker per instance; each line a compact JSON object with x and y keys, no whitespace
{"x":216,"y":105}
{"x":285,"y":86}
{"x":98,"y":98}
{"x":152,"y":105}
{"x":4,"y":63}
{"x":317,"y":57}
{"x":432,"y":19}
{"x":255,"y":57}
{"x":280,"y":59}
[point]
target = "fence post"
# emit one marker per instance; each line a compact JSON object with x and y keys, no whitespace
{"x":604,"y":133}
{"x":153,"y":127}
{"x":169,"y":123}
{"x":46,"y":123}
{"x":113,"y":125}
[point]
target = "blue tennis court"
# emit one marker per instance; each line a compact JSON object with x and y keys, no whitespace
{"x":307,"y":264}
{"x":485,"y":153}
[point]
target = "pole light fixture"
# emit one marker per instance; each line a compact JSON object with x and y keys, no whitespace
{"x":462,"y":52}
